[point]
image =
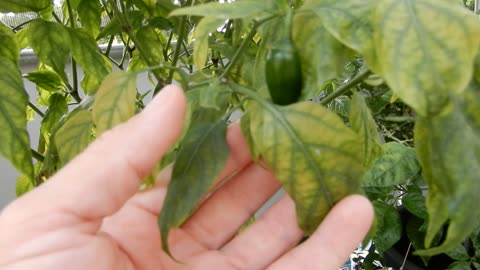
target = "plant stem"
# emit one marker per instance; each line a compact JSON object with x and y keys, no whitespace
{"x":346,"y":87}
{"x":243,"y":45}
{"x":178,"y":47}
{"x":37,"y":110}
{"x":36,"y":155}
{"x":109,"y":47}
{"x":74,"y":92}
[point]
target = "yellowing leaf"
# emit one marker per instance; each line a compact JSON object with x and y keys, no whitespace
{"x":57,"y":109}
{"x":202,"y":34}
{"x":115,"y":100}
{"x":319,"y":63}
{"x":363,"y":123}
{"x":14,"y":139}
{"x":74,"y":136}
{"x":349,"y":21}
{"x":310,"y":150}
{"x":425,"y":50}
{"x":198,"y":163}
{"x":448,"y":148}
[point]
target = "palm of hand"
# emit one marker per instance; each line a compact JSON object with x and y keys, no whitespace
{"x":92,"y":217}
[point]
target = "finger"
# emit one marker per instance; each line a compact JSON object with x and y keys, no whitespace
{"x":337,"y":237}
{"x":220,"y":217}
{"x":101,"y":179}
{"x":268,"y":238}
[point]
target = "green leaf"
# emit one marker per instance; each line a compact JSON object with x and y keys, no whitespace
{"x":47,"y":80}
{"x":212,"y":96}
{"x":153,"y":45}
{"x":448,"y":148}
{"x":317,"y":169}
{"x":414,"y":201}
{"x":425,"y":50}
{"x":51,"y":42}
{"x":160,"y":23}
{"x":341,"y":105}
{"x":202,"y":34}
{"x":23,"y":185}
{"x":113,"y":27}
{"x":362,"y":122}
{"x":459,"y":253}
{"x":14,"y":139}
{"x":234,"y":10}
{"x":459,"y":266}
{"x":24,"y":5}
{"x":22,"y":39}
{"x":90,"y":13}
{"x":389,"y":226}
{"x":115,"y":100}
{"x":8,"y":45}
{"x":395,"y":166}
{"x":476,"y":265}
{"x":74,"y":136}
{"x":319,"y":63}
{"x":193,"y":174}
{"x":416,"y":234}
{"x":348,"y":21}
{"x":87,"y":54}
{"x":57,"y":109}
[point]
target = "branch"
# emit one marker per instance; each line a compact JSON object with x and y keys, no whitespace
{"x":37,"y":110}
{"x":346,"y":87}
{"x":36,"y":155}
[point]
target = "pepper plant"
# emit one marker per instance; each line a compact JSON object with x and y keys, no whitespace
{"x":373,"y":97}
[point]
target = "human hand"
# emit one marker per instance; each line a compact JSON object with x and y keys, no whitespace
{"x":90,"y":215}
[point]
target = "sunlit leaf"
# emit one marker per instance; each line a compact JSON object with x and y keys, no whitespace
{"x":319,"y":63}
{"x":14,"y":139}
{"x":389,"y":226}
{"x":24,"y":5}
{"x":349,"y":21}
{"x":234,"y":10}
{"x":395,"y":166}
{"x":202,"y":33}
{"x":362,"y":122}
{"x":51,"y":42}
{"x":115,"y":100}
{"x":317,"y":169}
{"x":448,"y":148}
{"x":74,"y":136}
{"x":193,"y":175}
{"x":426,"y":50}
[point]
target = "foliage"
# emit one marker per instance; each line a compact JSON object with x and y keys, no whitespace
{"x":389,"y":103}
